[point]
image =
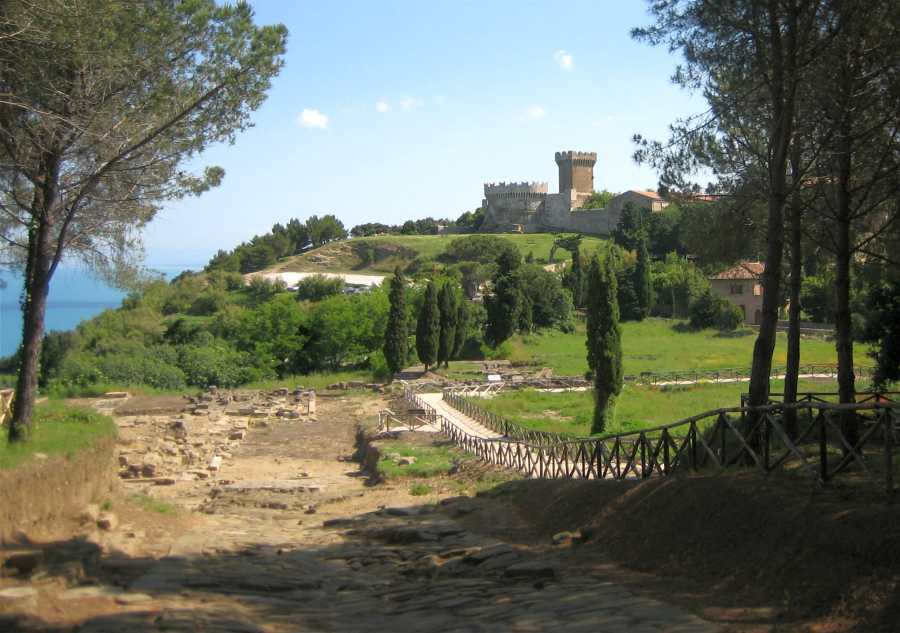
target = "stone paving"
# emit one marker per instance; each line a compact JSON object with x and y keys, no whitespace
{"x":289,"y":537}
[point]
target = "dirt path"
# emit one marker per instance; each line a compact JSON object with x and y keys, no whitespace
{"x":290,"y":538}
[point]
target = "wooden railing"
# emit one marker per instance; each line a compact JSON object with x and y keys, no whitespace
{"x":831,"y":396}
{"x":410,"y":420}
{"x":737,"y":437}
{"x":6,"y":401}
{"x":499,"y":424}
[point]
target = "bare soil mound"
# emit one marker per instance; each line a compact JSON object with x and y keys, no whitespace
{"x":812,"y":558}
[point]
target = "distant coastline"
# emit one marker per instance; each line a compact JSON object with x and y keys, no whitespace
{"x":75,"y":295}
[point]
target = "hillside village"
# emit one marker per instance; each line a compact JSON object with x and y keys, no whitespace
{"x":669,"y":410}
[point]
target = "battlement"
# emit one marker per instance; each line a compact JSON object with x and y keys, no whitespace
{"x":517,"y":189}
{"x":586,"y":159}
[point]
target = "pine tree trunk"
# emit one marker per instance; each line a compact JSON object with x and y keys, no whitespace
{"x":792,"y":372}
{"x":36,"y":289}
{"x":844,"y":331}
{"x":783,"y":86}
{"x":771,"y":285}
{"x":842,"y":323}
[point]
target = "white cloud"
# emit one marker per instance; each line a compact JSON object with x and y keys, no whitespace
{"x":411,"y":103}
{"x":564,"y":59}
{"x":533,"y":113}
{"x":310,"y":117}
{"x":382,"y":106}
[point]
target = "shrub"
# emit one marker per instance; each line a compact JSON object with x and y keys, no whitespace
{"x":261,"y":289}
{"x":378,"y":364}
{"x":318,"y":287}
{"x":730,"y":317}
{"x":133,"y":366}
{"x":208,"y":302}
{"x":503,"y":350}
{"x":216,"y":364}
{"x":710,"y":310}
{"x":704,"y":310}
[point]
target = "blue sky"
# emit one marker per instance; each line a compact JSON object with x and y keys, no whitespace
{"x":391,"y":110}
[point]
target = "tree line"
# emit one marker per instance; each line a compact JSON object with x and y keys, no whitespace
{"x":801,"y":137}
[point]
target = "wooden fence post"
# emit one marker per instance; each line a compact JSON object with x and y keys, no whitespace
{"x":643,"y":441}
{"x":888,"y":421}
{"x":692,"y":437}
{"x":665,"y":441}
{"x":823,"y":446}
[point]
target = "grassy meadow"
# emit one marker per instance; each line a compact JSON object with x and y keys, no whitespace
{"x":59,"y":429}
{"x":638,"y":406}
{"x":659,"y":345}
{"x":340,"y":257}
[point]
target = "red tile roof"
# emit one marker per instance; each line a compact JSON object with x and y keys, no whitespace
{"x":744,"y":270}
{"x":647,"y":194}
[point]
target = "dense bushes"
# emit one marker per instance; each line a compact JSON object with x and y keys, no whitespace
{"x":318,"y":287}
{"x":217,"y":363}
{"x":710,"y":310}
{"x":195,"y":331}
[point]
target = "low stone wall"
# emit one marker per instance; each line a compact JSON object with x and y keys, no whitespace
{"x":42,"y":493}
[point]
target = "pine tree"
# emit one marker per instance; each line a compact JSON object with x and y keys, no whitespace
{"x":643,"y":284}
{"x":428,"y":328}
{"x":448,"y":317}
{"x":396,"y":338}
{"x":604,"y":340}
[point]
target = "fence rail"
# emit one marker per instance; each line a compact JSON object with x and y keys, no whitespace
{"x":411,"y":420}
{"x":741,"y":437}
{"x":733,"y":374}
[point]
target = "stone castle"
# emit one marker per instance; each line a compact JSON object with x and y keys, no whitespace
{"x":528,"y":207}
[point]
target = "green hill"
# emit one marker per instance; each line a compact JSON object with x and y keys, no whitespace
{"x":380,"y":254}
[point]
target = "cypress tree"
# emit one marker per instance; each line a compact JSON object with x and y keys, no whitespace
{"x":577,"y":279}
{"x":604,"y":340}
{"x":462,"y":328}
{"x":396,"y":337}
{"x":641,"y":280}
{"x":448,"y":317}
{"x":505,"y":305}
{"x":428,"y":328}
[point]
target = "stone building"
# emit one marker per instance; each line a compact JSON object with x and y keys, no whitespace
{"x":741,"y":286}
{"x":529,"y":207}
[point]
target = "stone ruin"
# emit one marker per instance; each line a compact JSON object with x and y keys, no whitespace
{"x":194,"y":444}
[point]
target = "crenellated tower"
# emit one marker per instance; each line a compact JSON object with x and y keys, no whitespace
{"x":576,"y":174}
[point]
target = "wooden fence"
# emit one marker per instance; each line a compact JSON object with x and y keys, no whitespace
{"x":690,"y":376}
{"x":737,"y":437}
{"x":6,"y":401}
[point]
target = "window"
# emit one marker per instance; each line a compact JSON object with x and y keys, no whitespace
{"x":737,"y":289}
{"x":757,"y":290}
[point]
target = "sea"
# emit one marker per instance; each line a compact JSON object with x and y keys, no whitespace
{"x":75,"y":295}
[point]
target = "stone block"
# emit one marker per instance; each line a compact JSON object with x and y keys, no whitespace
{"x":107,"y":521}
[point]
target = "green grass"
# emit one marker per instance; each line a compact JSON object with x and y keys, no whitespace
{"x":418,"y":489}
{"x":638,"y":406}
{"x":431,"y":460}
{"x":341,"y":258}
{"x":60,"y":392}
{"x":150,"y":504}
{"x":654,"y":345}
{"x":58,"y":430}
